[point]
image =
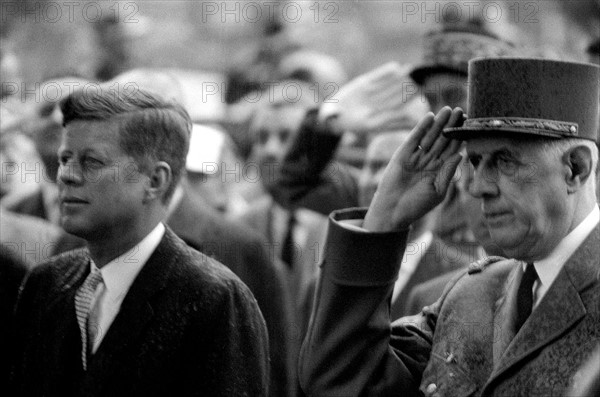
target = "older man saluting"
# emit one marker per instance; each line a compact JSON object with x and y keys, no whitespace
{"x":138,"y":312}
{"x":505,"y":327}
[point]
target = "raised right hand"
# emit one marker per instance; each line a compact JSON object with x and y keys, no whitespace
{"x":417,"y":178}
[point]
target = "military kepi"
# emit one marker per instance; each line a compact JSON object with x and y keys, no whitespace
{"x":519,"y":97}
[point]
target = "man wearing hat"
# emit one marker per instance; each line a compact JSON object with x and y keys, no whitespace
{"x":505,"y":327}
{"x":442,"y":79}
{"x":442,"y":74}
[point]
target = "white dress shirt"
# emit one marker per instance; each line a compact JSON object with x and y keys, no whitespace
{"x":118,"y":276}
{"x":549,"y":267}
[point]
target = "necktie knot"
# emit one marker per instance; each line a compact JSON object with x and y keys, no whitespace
{"x":84,"y":298}
{"x":93,"y":279}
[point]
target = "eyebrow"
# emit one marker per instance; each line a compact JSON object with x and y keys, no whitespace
{"x":89,"y":151}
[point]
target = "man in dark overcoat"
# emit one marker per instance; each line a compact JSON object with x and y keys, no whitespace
{"x":137,"y":312}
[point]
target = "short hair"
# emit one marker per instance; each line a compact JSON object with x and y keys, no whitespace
{"x":286,"y":94}
{"x":150,"y":128}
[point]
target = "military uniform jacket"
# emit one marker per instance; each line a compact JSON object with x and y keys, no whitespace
{"x":460,"y":346}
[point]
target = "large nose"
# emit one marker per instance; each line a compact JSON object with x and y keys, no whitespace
{"x":483,"y":183}
{"x":70,"y":173}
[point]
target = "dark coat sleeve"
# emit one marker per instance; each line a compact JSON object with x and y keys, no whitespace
{"x":267,"y":285}
{"x":244,"y":252}
{"x":308,"y":177}
{"x":350,"y":348}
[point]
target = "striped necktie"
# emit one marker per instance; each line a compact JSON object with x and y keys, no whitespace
{"x":83,"y":304}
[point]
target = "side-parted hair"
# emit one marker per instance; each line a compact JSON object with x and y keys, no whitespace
{"x":150,"y":128}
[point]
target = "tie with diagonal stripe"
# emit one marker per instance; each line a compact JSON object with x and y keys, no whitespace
{"x":83,"y":304}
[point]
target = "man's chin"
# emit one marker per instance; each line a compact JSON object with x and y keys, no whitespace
{"x":512,"y":248}
{"x":75,"y":228}
{"x":507,"y":240}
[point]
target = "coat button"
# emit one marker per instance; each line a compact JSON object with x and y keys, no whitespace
{"x":431,"y":388}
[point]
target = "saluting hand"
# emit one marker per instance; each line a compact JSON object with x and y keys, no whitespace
{"x":418,"y":176}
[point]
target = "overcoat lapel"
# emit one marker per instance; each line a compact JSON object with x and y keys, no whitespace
{"x":135,"y":313}
{"x":504,"y":317}
{"x":61,"y":332}
{"x":557,"y":312}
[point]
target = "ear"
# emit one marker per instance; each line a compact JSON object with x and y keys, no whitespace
{"x":161,"y":178}
{"x":578,"y":160}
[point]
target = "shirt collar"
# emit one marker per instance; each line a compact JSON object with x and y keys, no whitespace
{"x":549,"y":267}
{"x":118,"y":274}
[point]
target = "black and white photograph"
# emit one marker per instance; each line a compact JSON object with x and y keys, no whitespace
{"x":299,"y":198}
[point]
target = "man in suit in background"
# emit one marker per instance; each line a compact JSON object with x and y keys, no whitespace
{"x":514,"y":327}
{"x":137,"y":312}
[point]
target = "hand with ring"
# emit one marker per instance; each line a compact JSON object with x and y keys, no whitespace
{"x":418,"y":175}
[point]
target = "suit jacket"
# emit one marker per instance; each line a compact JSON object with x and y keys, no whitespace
{"x":187,"y":327}
{"x":262,"y":216}
{"x":243,"y":251}
{"x":460,"y":346}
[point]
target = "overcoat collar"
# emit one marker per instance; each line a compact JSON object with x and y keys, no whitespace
{"x":560,"y":308}
{"x":136,"y":310}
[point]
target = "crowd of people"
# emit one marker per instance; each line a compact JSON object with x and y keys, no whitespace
{"x":420,"y":230}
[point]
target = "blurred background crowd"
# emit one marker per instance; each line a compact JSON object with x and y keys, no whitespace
{"x":250,"y":74}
